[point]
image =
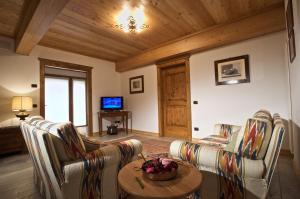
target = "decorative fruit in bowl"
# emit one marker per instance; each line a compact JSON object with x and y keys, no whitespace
{"x":160,"y":169}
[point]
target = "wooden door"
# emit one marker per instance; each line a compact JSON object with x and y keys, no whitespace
{"x":175,"y":101}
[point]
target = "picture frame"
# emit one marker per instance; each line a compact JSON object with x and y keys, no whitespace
{"x":234,"y":70}
{"x":292,"y":46}
{"x":290,"y":29}
{"x":136,"y":84}
{"x":289,"y":17}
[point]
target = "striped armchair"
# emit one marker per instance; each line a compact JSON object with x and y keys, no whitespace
{"x":67,"y":165}
{"x":245,"y":172}
{"x":223,"y":135}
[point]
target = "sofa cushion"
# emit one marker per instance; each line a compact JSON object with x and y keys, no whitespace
{"x":67,"y":142}
{"x":256,"y":139}
{"x":72,"y":140}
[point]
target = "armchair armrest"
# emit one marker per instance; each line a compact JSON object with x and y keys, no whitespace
{"x":103,"y":157}
{"x":226,"y":130}
{"x":95,"y":176}
{"x":107,"y":156}
{"x":91,"y":145}
{"x":215,"y":160}
{"x":129,"y":150}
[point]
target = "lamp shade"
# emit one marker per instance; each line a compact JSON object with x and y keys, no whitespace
{"x":21,"y":103}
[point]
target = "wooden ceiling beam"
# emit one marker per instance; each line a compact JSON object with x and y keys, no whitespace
{"x":38,"y":15}
{"x":265,"y":22}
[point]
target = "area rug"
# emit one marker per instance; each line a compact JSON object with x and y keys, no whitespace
{"x":151,"y":146}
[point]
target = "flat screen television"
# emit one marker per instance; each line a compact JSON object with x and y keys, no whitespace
{"x":111,"y":103}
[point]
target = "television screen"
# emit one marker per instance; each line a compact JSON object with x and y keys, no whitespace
{"x":111,"y":103}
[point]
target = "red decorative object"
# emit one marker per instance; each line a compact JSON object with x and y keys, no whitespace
{"x":160,"y":169}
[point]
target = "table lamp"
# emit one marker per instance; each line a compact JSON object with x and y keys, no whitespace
{"x":22,"y":104}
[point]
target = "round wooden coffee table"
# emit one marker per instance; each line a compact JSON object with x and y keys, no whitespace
{"x":187,"y":181}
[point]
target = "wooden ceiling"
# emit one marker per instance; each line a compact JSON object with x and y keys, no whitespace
{"x":86,"y":26}
{"x":10,"y":13}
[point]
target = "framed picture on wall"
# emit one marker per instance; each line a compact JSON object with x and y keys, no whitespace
{"x":290,"y":30}
{"x":289,"y":17}
{"x":292,"y":47}
{"x":136,"y":84}
{"x":234,"y":70}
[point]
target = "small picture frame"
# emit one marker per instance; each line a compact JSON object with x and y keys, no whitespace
{"x":290,"y":29}
{"x":234,"y":70}
{"x":289,"y":17}
{"x":136,"y":84}
{"x":292,"y":46}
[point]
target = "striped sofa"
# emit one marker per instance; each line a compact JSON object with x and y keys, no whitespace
{"x":245,"y":172}
{"x":68,"y":165}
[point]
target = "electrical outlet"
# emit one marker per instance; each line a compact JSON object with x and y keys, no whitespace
{"x":196,"y":129}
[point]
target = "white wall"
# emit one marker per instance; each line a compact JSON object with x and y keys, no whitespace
{"x":18,"y":72}
{"x":229,"y":104}
{"x":294,"y":69}
{"x":232,"y":104}
{"x":144,"y":106}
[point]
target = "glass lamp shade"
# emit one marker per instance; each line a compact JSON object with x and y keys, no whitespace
{"x":21,"y":103}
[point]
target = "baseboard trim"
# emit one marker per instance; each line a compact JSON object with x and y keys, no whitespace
{"x":147,"y":133}
{"x":286,"y":152}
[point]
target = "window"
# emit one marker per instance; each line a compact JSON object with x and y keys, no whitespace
{"x":66,"y":93}
{"x":65,"y":100}
{"x":79,"y":102}
{"x":57,"y":99}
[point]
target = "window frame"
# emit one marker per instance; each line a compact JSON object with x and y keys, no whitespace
{"x":68,"y":66}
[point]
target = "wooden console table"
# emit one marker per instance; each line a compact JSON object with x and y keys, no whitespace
{"x":123,"y":114}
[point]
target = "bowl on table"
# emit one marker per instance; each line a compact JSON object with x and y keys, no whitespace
{"x":160,"y":169}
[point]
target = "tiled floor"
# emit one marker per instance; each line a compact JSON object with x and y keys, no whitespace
{"x":16,"y":179}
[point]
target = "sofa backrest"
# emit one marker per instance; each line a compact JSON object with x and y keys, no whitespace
{"x":46,"y":164}
{"x":67,"y":141}
{"x":263,"y":114}
{"x":256,"y":138}
{"x":274,"y":147}
{"x":51,"y":145}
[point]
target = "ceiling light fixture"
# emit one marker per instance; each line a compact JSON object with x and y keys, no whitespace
{"x":132,"y":21}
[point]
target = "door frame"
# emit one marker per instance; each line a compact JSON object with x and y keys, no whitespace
{"x":184,"y":59}
{"x":70,"y":66}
